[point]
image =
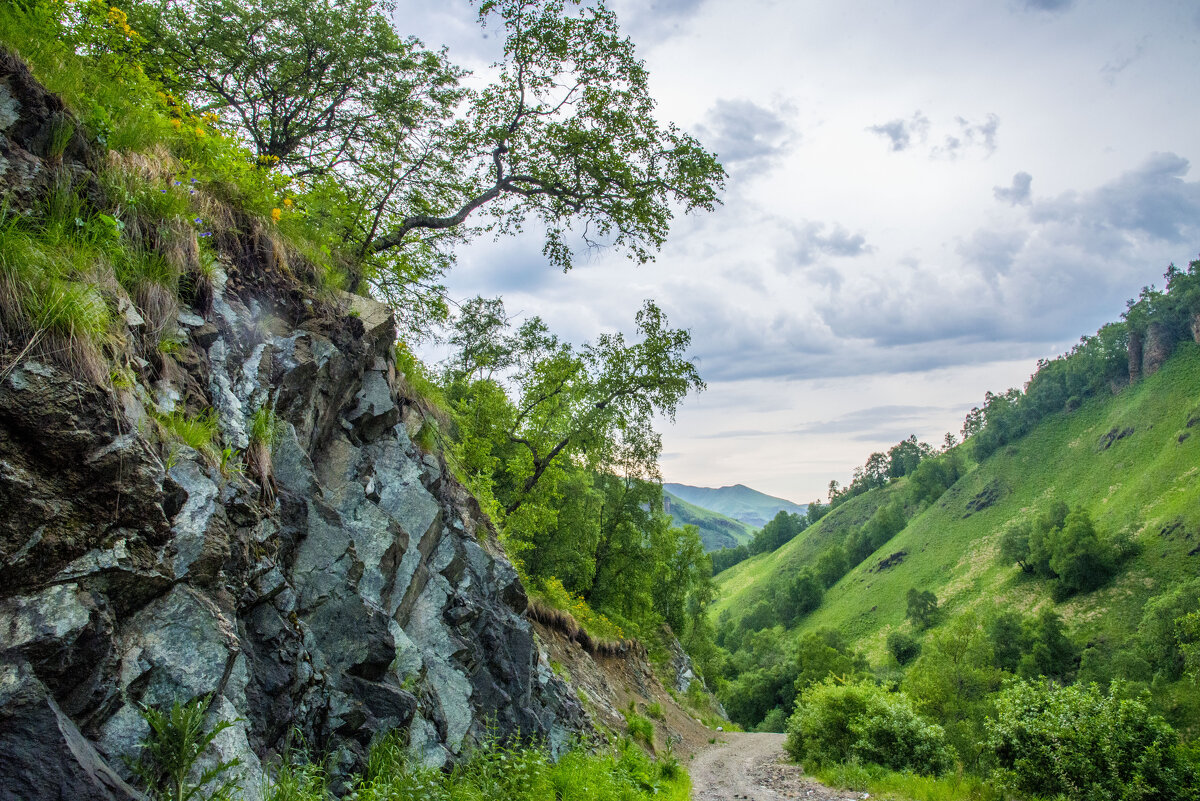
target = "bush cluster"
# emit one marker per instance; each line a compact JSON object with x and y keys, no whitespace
{"x":1079,"y":743}
{"x":860,"y":721}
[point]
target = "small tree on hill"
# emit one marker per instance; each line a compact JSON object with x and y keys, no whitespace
{"x":922,"y":608}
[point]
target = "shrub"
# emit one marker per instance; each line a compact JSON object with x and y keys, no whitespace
{"x":639,"y":728}
{"x":904,"y":647}
{"x":861,"y":721}
{"x":1077,"y":742}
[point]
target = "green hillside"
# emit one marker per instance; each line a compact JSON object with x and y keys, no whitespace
{"x":1143,"y":484}
{"x":716,"y":530}
{"x":739,"y":502}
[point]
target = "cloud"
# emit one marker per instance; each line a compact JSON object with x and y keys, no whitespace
{"x":1115,"y":66}
{"x":1152,"y":200}
{"x":902,"y":133}
{"x":907,"y":134}
{"x":811,"y":242}
{"x":653,"y":22}
{"x":746,"y":137}
{"x":969,"y":136}
{"x":1053,"y":6}
{"x":1019,"y":193}
{"x":993,"y":251}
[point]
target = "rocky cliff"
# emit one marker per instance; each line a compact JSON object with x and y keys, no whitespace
{"x":344,"y":587}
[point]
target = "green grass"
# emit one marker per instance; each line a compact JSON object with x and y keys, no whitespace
{"x":888,"y":785}
{"x":198,"y":432}
{"x":1144,"y":485}
{"x":510,"y":772}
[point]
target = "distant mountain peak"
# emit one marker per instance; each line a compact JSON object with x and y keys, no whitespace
{"x":738,"y":501}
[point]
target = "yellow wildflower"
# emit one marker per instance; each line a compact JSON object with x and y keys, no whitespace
{"x":287,"y":201}
{"x":276,"y":214}
{"x":176,"y":124}
{"x":200,"y":132}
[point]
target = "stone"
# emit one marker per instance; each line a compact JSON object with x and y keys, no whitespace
{"x":43,"y":754}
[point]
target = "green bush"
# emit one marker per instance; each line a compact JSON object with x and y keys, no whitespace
{"x":904,"y":647}
{"x":861,"y":721}
{"x":640,"y":728}
{"x":1077,"y":742}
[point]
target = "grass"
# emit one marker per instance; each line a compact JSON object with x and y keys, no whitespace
{"x":198,"y":432}
{"x":168,"y":182}
{"x":498,"y":771}
{"x":638,"y":727}
{"x":886,"y":784}
{"x":1144,"y":485}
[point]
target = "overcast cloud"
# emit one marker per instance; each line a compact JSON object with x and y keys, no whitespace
{"x":882,"y":257}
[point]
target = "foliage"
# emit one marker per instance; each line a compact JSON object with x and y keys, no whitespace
{"x":568,"y":462}
{"x":1082,"y":744}
{"x":551,"y":591}
{"x":777,"y":531}
{"x":858,"y":720}
{"x":1163,"y":633}
{"x":951,"y":680}
{"x":522,"y":772}
{"x":169,"y":760}
{"x":922,"y":608}
{"x":565,"y":134}
{"x":903,"y":647}
{"x":1064,"y":546}
{"x":639,"y":728}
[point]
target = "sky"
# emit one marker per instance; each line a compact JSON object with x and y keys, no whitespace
{"x":924,"y":198}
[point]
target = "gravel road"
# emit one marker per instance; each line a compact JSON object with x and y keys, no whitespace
{"x":752,"y":767}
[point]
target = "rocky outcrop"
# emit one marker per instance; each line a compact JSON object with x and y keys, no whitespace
{"x":1135,"y":357}
{"x":356,"y":590}
{"x":1157,"y":348}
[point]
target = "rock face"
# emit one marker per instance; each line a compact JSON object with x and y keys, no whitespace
{"x":1157,"y":348}
{"x":357,"y":590}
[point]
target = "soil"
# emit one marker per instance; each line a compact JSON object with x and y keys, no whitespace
{"x":753,"y":767}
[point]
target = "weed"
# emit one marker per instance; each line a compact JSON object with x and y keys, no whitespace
{"x":655,"y":710}
{"x":172,"y":749}
{"x":62,"y":131}
{"x":198,"y":432}
{"x":265,"y":431}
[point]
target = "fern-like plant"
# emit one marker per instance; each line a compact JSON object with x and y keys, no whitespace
{"x":177,"y":739}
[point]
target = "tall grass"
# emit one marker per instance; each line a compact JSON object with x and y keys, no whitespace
{"x":495,"y":771}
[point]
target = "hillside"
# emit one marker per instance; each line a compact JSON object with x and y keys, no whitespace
{"x":739,"y":502}
{"x":1131,"y":460}
{"x":716,"y":530}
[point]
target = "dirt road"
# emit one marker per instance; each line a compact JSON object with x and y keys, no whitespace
{"x":752,"y":767}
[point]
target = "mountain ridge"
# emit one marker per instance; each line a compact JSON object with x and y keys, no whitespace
{"x":736,"y":501}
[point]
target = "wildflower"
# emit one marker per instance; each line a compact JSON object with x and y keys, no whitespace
{"x":200,"y":132}
{"x":276,"y":214}
{"x":176,"y":124}
{"x":287,"y":201}
{"x":198,"y":220}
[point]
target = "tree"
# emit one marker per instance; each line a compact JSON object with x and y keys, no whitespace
{"x":1079,"y":558}
{"x":566,"y":134}
{"x":832,"y":565}
{"x":596,"y":405}
{"x":1014,"y":545}
{"x":922,"y":607}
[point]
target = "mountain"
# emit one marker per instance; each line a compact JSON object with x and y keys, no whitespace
{"x":739,"y":502}
{"x":1130,"y":460}
{"x":716,"y":530}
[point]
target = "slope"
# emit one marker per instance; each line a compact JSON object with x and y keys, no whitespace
{"x":739,"y":502}
{"x":716,"y":530}
{"x":1131,"y":460}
